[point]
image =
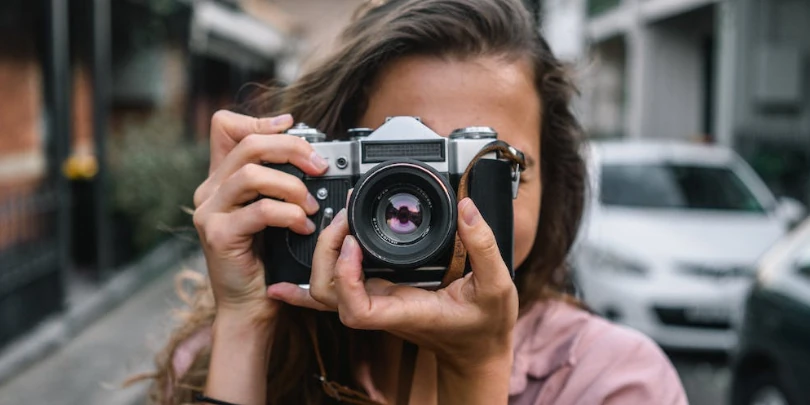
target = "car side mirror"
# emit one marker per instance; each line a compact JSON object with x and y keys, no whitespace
{"x":790,"y":210}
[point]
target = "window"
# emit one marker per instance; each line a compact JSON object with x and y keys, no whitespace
{"x":676,"y":187}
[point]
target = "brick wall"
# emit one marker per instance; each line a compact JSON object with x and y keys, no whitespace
{"x":21,"y":132}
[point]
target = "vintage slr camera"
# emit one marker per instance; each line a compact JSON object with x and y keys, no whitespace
{"x":402,"y":209}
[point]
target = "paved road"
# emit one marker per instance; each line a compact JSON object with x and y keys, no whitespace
{"x":705,"y":377}
{"x":90,"y":369}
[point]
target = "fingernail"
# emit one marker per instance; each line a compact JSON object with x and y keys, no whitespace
{"x":310,"y":226}
{"x":469,"y":212}
{"x":281,"y":119}
{"x":319,"y":162}
{"x":340,"y":218}
{"x":312,"y":203}
{"x":348,"y":248}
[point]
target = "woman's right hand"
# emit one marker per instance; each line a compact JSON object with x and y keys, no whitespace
{"x":227,"y":220}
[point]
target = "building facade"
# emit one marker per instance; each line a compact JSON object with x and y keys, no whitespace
{"x":733,"y":72}
{"x":76,"y":76}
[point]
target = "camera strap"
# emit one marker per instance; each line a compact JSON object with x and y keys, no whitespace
{"x":505,"y":152}
{"x":454,"y":271}
{"x":338,"y":392}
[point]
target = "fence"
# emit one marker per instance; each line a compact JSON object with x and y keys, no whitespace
{"x":30,"y":277}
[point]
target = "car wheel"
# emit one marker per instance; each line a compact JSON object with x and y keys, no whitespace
{"x":764,"y":390}
{"x":769,"y":395}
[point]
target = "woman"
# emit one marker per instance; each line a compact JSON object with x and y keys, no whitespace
{"x":484,"y":338}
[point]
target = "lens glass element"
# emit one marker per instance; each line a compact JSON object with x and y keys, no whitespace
{"x":403,"y":214}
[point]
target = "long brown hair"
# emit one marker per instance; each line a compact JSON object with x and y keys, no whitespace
{"x":333,"y":95}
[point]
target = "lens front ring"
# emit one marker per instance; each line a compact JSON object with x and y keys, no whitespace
{"x":377,"y":235}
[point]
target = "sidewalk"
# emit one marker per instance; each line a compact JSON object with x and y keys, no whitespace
{"x":90,"y":368}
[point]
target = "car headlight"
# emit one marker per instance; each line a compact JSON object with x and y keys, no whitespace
{"x":609,"y":262}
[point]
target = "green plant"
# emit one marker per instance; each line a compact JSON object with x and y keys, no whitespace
{"x":153,"y":174}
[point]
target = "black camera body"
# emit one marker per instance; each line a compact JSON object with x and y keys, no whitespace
{"x":403,"y":207}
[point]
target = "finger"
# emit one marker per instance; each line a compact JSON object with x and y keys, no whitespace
{"x":263,"y":213}
{"x":229,"y":128}
{"x":354,"y":303}
{"x":378,"y":286}
{"x":253,"y":180}
{"x":278,"y":149}
{"x":295,"y":295}
{"x":358,"y":309}
{"x":326,"y":254}
{"x":489,"y":270}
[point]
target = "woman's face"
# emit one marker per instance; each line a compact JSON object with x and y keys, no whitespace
{"x":487,"y":91}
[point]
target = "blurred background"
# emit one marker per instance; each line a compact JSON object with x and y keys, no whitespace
{"x":698,"y":120}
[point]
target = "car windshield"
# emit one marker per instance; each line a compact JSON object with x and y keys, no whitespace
{"x":676,"y":187}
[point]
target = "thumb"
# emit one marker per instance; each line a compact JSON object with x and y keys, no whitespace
{"x":482,"y":248}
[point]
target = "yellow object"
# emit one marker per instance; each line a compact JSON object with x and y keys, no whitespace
{"x":80,"y":167}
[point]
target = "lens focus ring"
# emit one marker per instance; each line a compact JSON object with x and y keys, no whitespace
{"x":403,"y":214}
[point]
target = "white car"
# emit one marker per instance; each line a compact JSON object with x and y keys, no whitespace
{"x":671,"y":238}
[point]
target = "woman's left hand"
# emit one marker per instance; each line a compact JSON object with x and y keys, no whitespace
{"x":468,"y":324}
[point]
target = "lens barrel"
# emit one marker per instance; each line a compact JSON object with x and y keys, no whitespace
{"x":403,"y":214}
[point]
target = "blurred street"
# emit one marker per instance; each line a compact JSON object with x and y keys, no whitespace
{"x":696,"y":118}
{"x":705,"y":377}
{"x":89,"y":369}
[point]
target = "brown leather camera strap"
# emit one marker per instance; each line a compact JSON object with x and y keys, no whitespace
{"x":345,"y":394}
{"x":339,"y":392}
{"x":454,"y":271}
{"x":459,"y":260}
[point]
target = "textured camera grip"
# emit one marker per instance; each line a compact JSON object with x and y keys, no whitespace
{"x":287,"y":256}
{"x":287,"y":168}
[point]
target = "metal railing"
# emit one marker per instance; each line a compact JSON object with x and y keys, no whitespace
{"x":30,"y":278}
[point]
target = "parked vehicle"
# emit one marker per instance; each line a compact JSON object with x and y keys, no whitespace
{"x":772,"y":363}
{"x":671,"y":238}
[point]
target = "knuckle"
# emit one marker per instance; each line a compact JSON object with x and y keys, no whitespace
{"x":219,"y":118}
{"x":297,"y":216}
{"x":199,"y":221}
{"x":255,"y":125}
{"x":505,"y":289}
{"x":484,"y":242}
{"x":216,"y":236}
{"x":200,"y":194}
{"x":248,"y":173}
{"x":266,"y":208}
{"x":301,"y":146}
{"x":500,"y":292}
{"x":298,"y":190}
{"x":252,"y":142}
{"x":317,"y":292}
{"x":351,"y":319}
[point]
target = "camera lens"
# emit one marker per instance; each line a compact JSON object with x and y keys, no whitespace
{"x":403,"y":214}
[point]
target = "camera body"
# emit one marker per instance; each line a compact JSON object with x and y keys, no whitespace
{"x":402,"y":209}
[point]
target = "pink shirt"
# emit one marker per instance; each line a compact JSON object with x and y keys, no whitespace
{"x":565,"y":355}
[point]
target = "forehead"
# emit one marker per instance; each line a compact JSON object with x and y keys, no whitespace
{"x":453,"y":93}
